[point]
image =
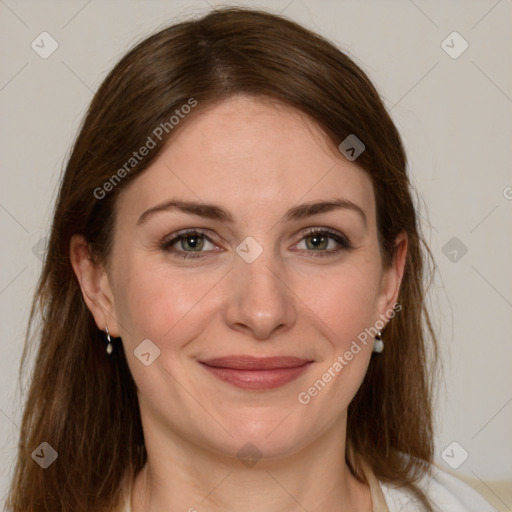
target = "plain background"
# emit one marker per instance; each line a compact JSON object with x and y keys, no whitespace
{"x":455,"y":117}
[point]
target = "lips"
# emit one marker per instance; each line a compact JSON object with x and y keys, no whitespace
{"x":252,"y":373}
{"x":255,"y":363}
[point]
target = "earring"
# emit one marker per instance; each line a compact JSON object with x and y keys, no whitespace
{"x":110,"y":348}
{"x":378,"y":344}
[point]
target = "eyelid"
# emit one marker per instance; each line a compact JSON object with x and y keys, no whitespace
{"x":340,"y":238}
{"x":170,"y":240}
{"x":324,"y":230}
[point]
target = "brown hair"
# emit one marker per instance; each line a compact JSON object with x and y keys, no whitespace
{"x":84,"y":403}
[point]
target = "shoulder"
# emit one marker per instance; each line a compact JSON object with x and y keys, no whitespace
{"x":446,"y":493}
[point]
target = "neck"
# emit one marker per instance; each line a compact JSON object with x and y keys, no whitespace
{"x":180,"y":475}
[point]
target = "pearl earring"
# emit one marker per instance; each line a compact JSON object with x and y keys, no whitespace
{"x":110,"y":348}
{"x":378,"y":344}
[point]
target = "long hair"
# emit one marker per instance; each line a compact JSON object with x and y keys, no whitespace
{"x":83,"y":403}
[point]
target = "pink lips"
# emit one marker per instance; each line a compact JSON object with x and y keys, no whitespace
{"x":249,"y":372}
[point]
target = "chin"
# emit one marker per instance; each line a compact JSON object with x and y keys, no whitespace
{"x":274,"y":435}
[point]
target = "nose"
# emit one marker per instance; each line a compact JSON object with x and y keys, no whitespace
{"x":261,"y":302}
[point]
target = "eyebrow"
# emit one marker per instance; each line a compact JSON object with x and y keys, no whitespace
{"x":214,"y":212}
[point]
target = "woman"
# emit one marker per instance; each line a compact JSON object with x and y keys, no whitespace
{"x":232,"y":299}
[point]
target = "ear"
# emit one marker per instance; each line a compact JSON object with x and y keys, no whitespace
{"x":392,"y":276}
{"x":94,"y":284}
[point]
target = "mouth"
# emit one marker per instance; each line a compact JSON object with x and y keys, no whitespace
{"x":247,"y":372}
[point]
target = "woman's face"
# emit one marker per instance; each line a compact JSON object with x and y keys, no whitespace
{"x":250,"y":280}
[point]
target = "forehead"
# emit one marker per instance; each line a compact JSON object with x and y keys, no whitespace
{"x":247,"y":152}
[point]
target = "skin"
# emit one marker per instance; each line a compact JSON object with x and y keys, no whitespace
{"x":255,"y":159}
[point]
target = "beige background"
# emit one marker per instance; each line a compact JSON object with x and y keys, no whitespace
{"x":455,"y":115}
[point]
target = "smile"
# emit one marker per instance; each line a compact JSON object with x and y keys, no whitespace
{"x":247,"y":372}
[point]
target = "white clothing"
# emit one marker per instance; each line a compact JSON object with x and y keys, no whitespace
{"x":446,"y":493}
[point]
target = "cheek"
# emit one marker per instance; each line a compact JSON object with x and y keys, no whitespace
{"x":344,"y":302}
{"x":155,"y":299}
{"x":344,"y":306}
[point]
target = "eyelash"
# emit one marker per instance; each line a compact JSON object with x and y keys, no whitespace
{"x":342,"y":240}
